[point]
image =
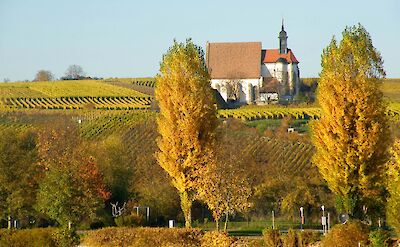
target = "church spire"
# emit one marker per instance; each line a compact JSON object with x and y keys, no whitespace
{"x":283,"y":40}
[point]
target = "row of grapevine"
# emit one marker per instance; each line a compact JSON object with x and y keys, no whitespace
{"x":145,"y":83}
{"x":107,"y":103}
{"x":15,"y":126}
{"x":289,"y":156}
{"x":250,"y":114}
{"x":104,"y":124}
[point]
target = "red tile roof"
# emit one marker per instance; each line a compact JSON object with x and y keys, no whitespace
{"x":272,"y":55}
{"x":235,"y":60}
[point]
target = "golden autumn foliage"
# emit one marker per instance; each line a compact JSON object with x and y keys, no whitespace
{"x":226,"y":185}
{"x":187,"y":119}
{"x":352,"y":135}
{"x":393,"y":202}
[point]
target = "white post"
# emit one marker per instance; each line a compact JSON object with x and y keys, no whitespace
{"x":148,"y":213}
{"x":273,"y":219}
{"x":323,"y":220}
{"x":302,"y":217}
{"x":9,"y":222}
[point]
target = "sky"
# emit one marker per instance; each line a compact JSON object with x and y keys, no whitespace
{"x":127,"y":38}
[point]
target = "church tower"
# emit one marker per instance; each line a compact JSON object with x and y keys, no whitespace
{"x":283,"y":41}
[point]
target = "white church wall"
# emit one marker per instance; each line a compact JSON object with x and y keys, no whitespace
{"x":246,"y":85}
{"x":266,"y":70}
{"x":270,"y":70}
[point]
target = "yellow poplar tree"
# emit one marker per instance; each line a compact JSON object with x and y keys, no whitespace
{"x":352,"y":135}
{"x":187,"y":119}
{"x":393,"y":202}
{"x":226,"y":183}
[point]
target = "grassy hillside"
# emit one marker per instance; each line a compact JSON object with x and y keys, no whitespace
{"x":391,"y":89}
{"x":79,"y":94}
{"x":56,"y":89}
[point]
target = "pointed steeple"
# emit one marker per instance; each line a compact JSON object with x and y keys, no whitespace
{"x":282,"y":40}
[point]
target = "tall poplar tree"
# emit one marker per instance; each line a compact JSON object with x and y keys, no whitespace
{"x":393,"y":202}
{"x":352,"y":136}
{"x":187,"y":119}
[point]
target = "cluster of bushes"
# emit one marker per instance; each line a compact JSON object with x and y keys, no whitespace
{"x":37,"y":237}
{"x":273,"y":238}
{"x":356,"y":234}
{"x":143,"y":237}
{"x":347,"y":235}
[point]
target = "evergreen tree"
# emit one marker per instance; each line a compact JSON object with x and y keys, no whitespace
{"x":352,"y":136}
{"x":187,"y":119}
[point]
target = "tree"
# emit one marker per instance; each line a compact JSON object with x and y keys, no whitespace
{"x":187,"y":119}
{"x":44,"y":75}
{"x":393,"y":202}
{"x":233,"y":89}
{"x":72,"y":188}
{"x":226,"y":183}
{"x":74,"y":72}
{"x":19,"y":174}
{"x":352,"y":135}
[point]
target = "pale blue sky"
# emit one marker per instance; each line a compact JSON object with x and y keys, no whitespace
{"x":116,"y":38}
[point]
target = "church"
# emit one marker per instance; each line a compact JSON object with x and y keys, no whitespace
{"x":244,"y":73}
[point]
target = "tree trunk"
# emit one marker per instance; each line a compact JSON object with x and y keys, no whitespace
{"x":217,"y":224}
{"x":226,"y":222}
{"x":186,"y":205}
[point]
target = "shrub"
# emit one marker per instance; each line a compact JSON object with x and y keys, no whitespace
{"x":129,"y":220}
{"x":216,"y":239}
{"x":65,"y":237}
{"x":290,"y":239}
{"x":37,"y":237}
{"x":305,"y":238}
{"x":347,"y":235}
{"x":272,"y":238}
{"x":379,"y":238}
{"x":143,"y":237}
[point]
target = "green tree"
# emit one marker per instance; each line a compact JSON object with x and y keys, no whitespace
{"x":187,"y":119}
{"x":19,"y":173}
{"x":72,"y":189}
{"x":393,"y":202}
{"x":352,"y":135}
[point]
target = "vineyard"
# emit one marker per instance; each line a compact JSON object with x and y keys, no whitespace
{"x":143,"y":85}
{"x":98,"y":125}
{"x":82,"y":94}
{"x":145,"y":81}
{"x":258,"y":113}
{"x":57,"y":89}
{"x":289,"y":156}
{"x":106,"y":103}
